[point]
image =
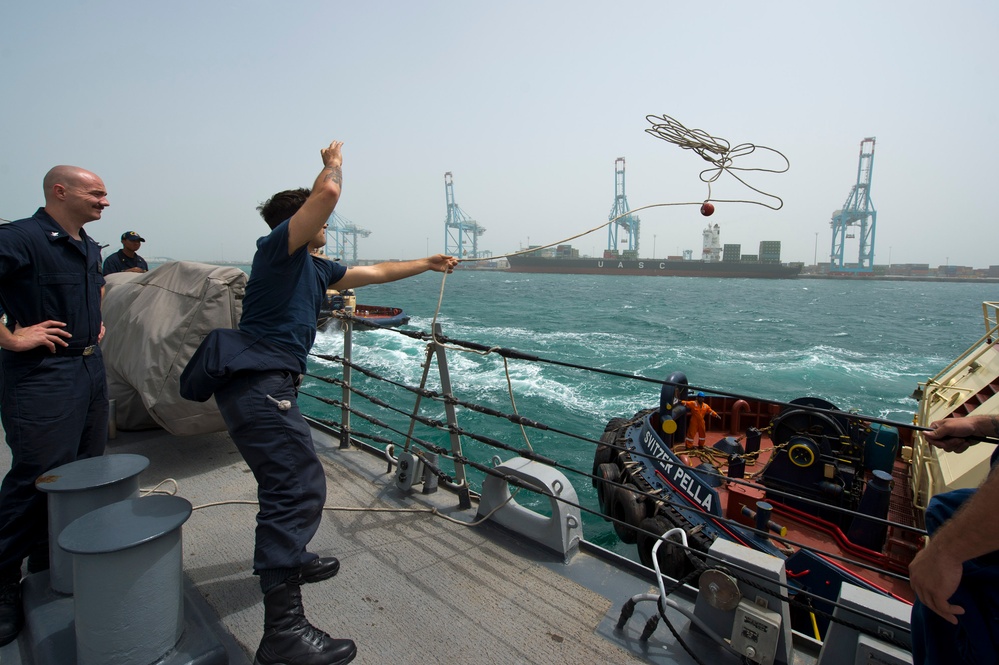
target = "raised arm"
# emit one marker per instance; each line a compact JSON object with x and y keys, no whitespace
{"x":309,"y":219}
{"x":391,"y":271}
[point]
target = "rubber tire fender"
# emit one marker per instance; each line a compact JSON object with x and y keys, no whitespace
{"x":628,"y":508}
{"x":606,"y":472}
{"x":604,"y":454}
{"x":673,"y":560}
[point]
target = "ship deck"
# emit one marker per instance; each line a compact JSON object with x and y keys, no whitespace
{"x":413,"y":587}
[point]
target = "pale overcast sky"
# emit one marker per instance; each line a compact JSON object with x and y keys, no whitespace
{"x":194,"y":112}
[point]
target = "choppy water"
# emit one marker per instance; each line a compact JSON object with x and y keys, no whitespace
{"x":861,"y":346}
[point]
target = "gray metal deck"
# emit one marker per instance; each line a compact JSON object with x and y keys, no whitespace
{"x":413,"y":587}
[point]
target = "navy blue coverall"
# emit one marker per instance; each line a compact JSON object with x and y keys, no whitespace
{"x":254,"y":373}
{"x":54,"y":406}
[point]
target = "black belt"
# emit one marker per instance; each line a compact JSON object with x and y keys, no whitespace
{"x":43,"y":352}
{"x":84,"y":351}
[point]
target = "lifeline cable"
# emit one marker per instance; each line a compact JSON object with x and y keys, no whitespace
{"x":518,"y":419}
{"x":517,"y":483}
{"x":529,"y":453}
{"x":482,"y":349}
{"x":555,"y":464}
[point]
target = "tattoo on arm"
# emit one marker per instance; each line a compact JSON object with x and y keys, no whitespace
{"x":335,"y":174}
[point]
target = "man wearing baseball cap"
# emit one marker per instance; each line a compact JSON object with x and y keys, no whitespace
{"x":126,"y":259}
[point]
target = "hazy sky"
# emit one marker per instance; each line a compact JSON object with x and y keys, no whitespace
{"x":195,"y":112}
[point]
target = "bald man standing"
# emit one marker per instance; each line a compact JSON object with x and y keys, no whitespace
{"x":54,"y":405}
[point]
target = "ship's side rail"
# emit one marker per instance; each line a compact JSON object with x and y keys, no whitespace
{"x":969,"y":385}
{"x":433,"y":438}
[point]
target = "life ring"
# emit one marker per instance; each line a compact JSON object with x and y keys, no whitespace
{"x":606,"y":473}
{"x":627,"y":507}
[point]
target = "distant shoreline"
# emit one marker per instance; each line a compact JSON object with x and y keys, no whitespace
{"x":849,"y":277}
{"x":859,"y":277}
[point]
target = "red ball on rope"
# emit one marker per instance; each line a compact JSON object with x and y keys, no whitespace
{"x":707,"y":209}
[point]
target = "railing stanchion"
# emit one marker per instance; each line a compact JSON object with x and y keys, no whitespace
{"x":345,"y":410}
{"x":464,"y":498}
{"x":419,"y":395}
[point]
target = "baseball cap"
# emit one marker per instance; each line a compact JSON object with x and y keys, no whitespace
{"x":132,"y":235}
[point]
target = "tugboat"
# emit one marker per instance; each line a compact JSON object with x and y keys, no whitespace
{"x":806,"y":496}
{"x":371,"y":316}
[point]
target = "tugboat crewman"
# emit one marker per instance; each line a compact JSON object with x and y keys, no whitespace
{"x":699,"y":410}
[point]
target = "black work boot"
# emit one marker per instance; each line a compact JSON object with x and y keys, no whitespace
{"x":289,"y":638}
{"x":319,"y":569}
{"x":11,"y":612}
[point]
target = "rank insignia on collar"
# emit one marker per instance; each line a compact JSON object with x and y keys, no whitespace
{"x":55,"y":234}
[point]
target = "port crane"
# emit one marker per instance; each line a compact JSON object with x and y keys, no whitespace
{"x":345,"y":234}
{"x":629,"y":224}
{"x":460,"y":230}
{"x":858,"y":211}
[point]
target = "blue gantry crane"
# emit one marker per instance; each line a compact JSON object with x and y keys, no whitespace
{"x":628,"y":223}
{"x":460,"y":230}
{"x":857,"y":211}
{"x":345,"y":234}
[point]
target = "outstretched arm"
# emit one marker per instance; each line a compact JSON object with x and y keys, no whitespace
{"x":935,"y":573}
{"x":391,"y":271}
{"x":309,"y":220}
{"x":955,"y":434}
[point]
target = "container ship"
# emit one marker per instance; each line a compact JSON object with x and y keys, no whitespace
{"x":716,"y":261}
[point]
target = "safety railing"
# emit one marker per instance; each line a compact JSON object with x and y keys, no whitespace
{"x":454,"y":442}
{"x":943,"y":394}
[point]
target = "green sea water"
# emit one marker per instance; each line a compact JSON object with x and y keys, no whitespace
{"x":861,"y":346}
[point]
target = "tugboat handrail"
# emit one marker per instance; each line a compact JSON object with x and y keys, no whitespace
{"x":961,"y":388}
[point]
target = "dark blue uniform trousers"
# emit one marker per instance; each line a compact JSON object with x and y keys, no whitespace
{"x":975,"y":638}
{"x":54,"y":411}
{"x":277,"y":446}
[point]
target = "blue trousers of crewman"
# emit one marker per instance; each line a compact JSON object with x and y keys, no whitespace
{"x":975,"y":638}
{"x":277,"y":445}
{"x":54,"y":411}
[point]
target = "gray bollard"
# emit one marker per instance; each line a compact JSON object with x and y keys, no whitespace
{"x":77,"y":488}
{"x":128,"y":580}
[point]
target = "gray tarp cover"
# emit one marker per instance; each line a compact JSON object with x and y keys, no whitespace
{"x":154,"y":323}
